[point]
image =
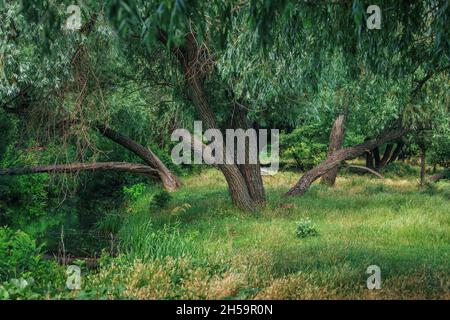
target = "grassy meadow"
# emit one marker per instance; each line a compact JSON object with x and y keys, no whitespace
{"x":200,"y":247}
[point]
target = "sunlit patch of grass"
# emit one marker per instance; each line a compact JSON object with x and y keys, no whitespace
{"x":210,"y":250}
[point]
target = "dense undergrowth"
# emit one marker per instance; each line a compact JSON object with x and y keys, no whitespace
{"x":193,"y":244}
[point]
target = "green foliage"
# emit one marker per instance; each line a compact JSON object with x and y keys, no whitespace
{"x":140,"y":239}
{"x":376,"y":188}
{"x":305,"y":229}
{"x":110,"y":223}
{"x":24,"y":273}
{"x":134,"y":192}
{"x":141,"y":195}
{"x":440,"y":149}
{"x":19,"y":255}
{"x":303,"y":145}
{"x":28,"y":202}
{"x":18,"y":289}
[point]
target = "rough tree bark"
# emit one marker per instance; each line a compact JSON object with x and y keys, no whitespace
{"x":168,"y":179}
{"x":335,"y":143}
{"x":250,"y":172}
{"x":193,"y":60}
{"x":376,"y":157}
{"x":343,"y":154}
{"x":76,"y":167}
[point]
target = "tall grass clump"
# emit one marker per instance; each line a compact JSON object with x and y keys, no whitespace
{"x":141,"y":239}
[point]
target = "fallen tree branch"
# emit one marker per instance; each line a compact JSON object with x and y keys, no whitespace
{"x":76,"y":167}
{"x":340,"y":155}
{"x":367,"y":169}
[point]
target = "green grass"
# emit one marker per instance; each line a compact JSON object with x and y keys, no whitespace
{"x":199,"y":246}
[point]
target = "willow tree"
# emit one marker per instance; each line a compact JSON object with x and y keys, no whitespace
{"x":63,"y":96}
{"x":200,"y":39}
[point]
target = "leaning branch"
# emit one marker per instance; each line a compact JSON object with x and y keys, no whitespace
{"x":341,"y":155}
{"x":169,"y":180}
{"x":366,"y":169}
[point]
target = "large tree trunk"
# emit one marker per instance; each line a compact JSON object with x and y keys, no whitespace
{"x":192,"y":60}
{"x":250,"y":172}
{"x":168,"y":179}
{"x":343,"y":154}
{"x":76,"y":167}
{"x":335,"y":143}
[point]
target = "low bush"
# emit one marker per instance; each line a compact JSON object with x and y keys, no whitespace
{"x":305,"y":229}
{"x":24,"y":273}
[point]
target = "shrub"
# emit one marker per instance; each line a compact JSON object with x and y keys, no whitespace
{"x":135,"y":191}
{"x":23,"y":270}
{"x":305,"y":228}
{"x":304,"y":146}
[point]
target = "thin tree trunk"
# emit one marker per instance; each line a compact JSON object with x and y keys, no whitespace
{"x":76,"y":167}
{"x":422,"y":165}
{"x":343,"y":154}
{"x":397,"y":151}
{"x":168,"y":179}
{"x":376,"y":157}
{"x":369,"y":160}
{"x":335,"y":143}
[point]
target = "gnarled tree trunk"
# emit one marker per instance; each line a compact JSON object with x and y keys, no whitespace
{"x":343,"y":154}
{"x":192,"y":60}
{"x":335,"y":143}
{"x":250,"y":172}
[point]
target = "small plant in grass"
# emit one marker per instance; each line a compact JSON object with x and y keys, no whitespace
{"x":305,"y":228}
{"x":135,"y":191}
